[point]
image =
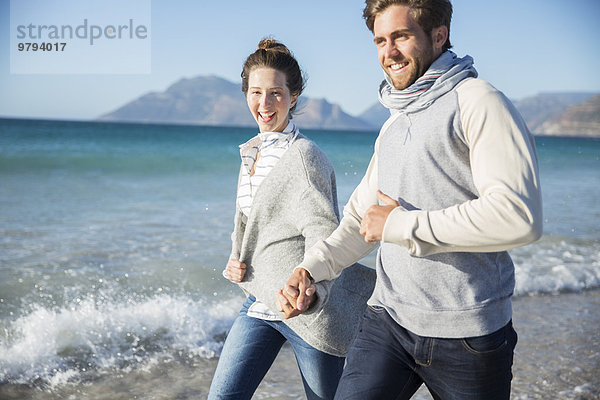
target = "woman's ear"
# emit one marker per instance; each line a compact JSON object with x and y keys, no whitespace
{"x":294,"y":100}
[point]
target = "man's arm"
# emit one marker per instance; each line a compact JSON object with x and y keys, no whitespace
{"x":345,"y":246}
{"x":508,"y":211}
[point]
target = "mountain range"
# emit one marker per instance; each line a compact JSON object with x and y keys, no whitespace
{"x":211,"y":100}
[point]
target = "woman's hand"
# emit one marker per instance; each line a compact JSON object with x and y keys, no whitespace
{"x":235,"y":270}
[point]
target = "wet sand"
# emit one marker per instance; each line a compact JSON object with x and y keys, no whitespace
{"x":557,"y":357}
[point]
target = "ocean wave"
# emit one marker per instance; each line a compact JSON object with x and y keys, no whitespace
{"x":552,"y":265}
{"x":555,"y":265}
{"x":126,"y":326}
{"x":49,"y":347}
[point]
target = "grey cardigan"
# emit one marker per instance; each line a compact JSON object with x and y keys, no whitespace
{"x":296,"y":206}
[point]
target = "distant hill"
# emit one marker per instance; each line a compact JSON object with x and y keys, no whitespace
{"x":582,"y":119}
{"x":210,"y":100}
{"x":319,"y":113}
{"x":537,"y":110}
{"x":375,"y":115}
{"x":206,"y":100}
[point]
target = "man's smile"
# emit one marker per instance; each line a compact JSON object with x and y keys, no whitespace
{"x":398,"y":67}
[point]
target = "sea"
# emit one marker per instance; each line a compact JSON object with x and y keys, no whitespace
{"x":113,"y":237}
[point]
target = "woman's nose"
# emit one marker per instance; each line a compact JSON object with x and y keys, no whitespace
{"x":265,"y":100}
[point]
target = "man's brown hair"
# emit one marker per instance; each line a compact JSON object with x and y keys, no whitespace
{"x":429,"y":14}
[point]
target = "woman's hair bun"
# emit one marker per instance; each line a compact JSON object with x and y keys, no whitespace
{"x":270,"y":44}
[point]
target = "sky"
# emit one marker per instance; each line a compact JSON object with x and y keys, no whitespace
{"x":522,"y":47}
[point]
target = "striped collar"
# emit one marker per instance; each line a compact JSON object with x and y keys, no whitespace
{"x":267,"y":139}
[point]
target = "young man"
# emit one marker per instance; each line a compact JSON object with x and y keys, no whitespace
{"x":452,"y":185}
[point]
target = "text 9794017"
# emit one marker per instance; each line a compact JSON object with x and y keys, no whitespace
{"x":44,"y":46}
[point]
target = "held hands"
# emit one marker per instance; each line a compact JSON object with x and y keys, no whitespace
{"x":297,"y":295}
{"x":235,"y":270}
{"x":299,"y":292}
{"x":374,"y":219}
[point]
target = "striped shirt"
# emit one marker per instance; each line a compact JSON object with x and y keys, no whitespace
{"x":261,"y":153}
{"x":268,"y":147}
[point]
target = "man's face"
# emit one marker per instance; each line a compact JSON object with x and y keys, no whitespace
{"x":404,"y":50}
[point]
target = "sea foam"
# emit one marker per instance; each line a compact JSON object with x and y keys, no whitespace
{"x":554,"y":265}
{"x":56,"y":346}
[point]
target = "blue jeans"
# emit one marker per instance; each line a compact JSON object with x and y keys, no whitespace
{"x":388,"y":362}
{"x":250,"y":349}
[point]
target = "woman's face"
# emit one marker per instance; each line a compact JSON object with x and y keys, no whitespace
{"x":269,"y":99}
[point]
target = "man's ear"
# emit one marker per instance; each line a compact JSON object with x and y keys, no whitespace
{"x":439,"y":36}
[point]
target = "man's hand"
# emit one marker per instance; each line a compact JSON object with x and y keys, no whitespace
{"x":235,"y":270}
{"x":298,"y":292}
{"x":287,"y":304}
{"x":374,"y":219}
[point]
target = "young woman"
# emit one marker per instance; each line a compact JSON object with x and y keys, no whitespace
{"x":286,"y":201}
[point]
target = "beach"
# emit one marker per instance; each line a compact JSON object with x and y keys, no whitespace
{"x":557,"y":357}
{"x":113,"y":238}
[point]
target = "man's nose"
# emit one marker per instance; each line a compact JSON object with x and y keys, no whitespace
{"x":391,"y":50}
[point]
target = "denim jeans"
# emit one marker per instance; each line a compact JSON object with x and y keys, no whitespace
{"x":387,"y":361}
{"x":251,"y":347}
